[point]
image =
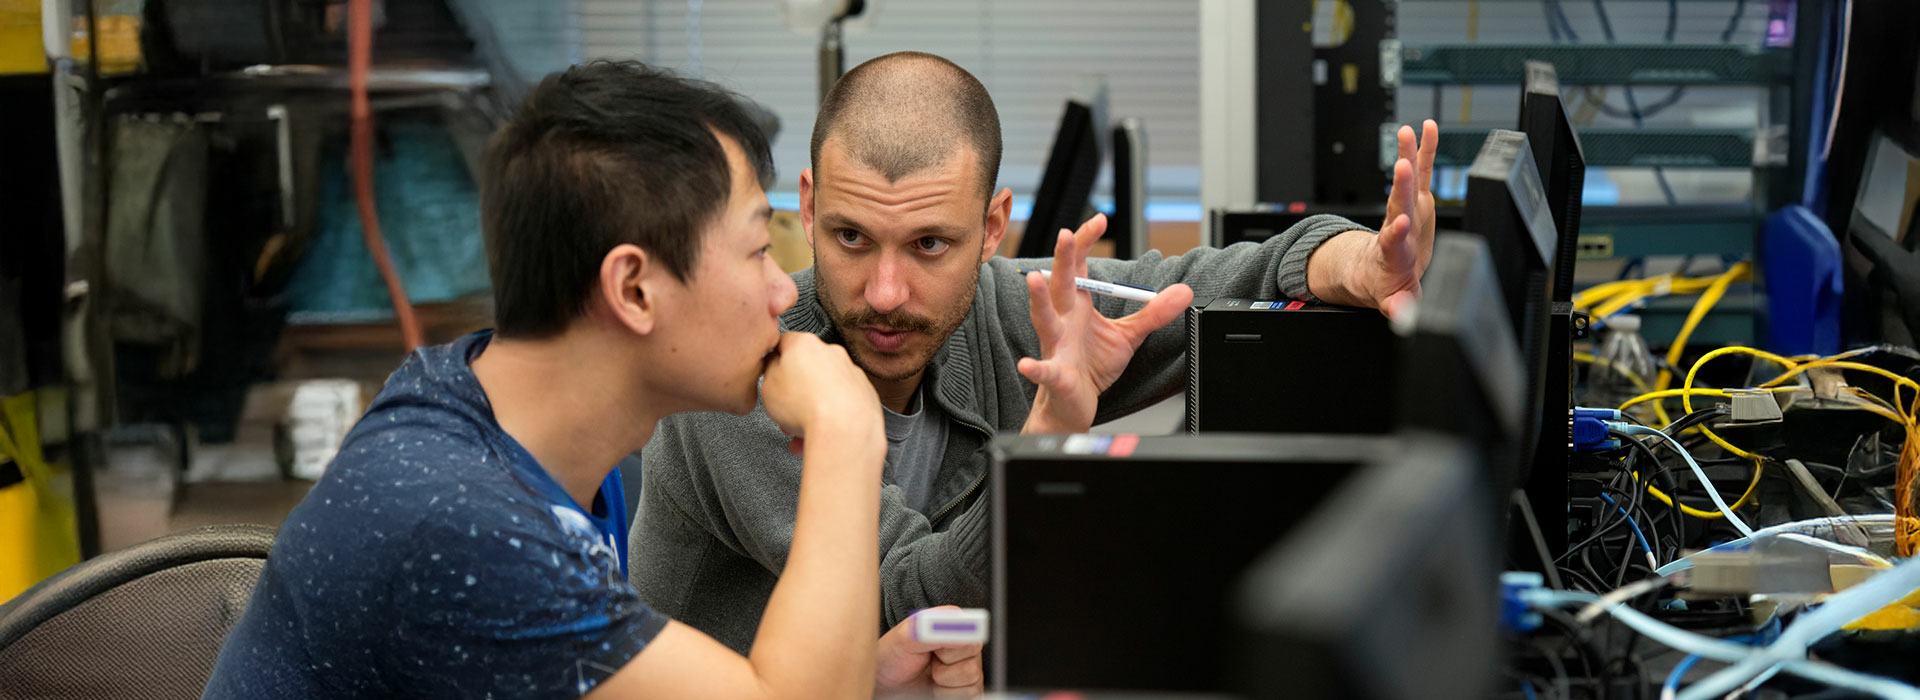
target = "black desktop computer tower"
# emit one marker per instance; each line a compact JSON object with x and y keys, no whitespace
{"x":1288,"y":367}
{"x":1116,"y":557}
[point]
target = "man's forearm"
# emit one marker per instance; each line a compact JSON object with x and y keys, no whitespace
{"x":1331,"y":269}
{"x":817,"y":633}
{"x":942,"y":568}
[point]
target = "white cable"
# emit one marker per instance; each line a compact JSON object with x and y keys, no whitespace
{"x":1872,"y":525}
{"x":1840,"y":84}
{"x":1864,"y":555}
{"x":1725,"y":651}
{"x":1619,"y":595}
{"x":1839,"y":609}
{"x":1699,"y":473}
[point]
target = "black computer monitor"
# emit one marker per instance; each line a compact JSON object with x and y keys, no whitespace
{"x":1115,"y":557}
{"x":1460,"y":368}
{"x":1127,"y":228}
{"x":1386,"y":592}
{"x":1507,"y":207}
{"x":1066,"y":185}
{"x":1563,"y":167}
{"x":1563,"y":175}
{"x":1882,"y":231}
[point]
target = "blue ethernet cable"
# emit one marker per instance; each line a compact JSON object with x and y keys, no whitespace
{"x":1701,"y":474}
{"x":1634,"y":526}
{"x":1672,"y":685}
{"x":1727,"y":651}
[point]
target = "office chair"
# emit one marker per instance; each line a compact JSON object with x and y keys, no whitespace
{"x":146,"y":621}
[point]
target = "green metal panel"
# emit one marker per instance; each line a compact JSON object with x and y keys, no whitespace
{"x":1626,"y":148}
{"x":1730,"y":323}
{"x":1638,"y":232}
{"x":1610,"y":64}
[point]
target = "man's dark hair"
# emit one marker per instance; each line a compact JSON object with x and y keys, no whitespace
{"x":600,"y":155}
{"x":905,"y":112}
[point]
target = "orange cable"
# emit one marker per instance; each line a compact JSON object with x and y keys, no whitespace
{"x":359,"y":64}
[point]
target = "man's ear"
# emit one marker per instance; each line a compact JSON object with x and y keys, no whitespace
{"x":806,"y":203}
{"x":630,"y":287}
{"x":999,"y":209}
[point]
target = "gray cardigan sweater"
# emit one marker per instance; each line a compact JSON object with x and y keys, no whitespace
{"x":719,"y":492}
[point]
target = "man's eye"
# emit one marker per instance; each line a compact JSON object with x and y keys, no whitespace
{"x":931,"y":245}
{"x":848,"y":236}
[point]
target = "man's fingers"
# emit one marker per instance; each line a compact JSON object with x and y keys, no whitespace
{"x":1064,"y":270}
{"x":1405,"y":136}
{"x":958,"y":653}
{"x":1393,"y":243}
{"x":1083,"y":240}
{"x":1090,"y":231}
{"x":1041,"y":372}
{"x":960,"y":675}
{"x":1404,"y":187}
{"x":1429,"y":145}
{"x":1166,"y":306}
{"x":972,"y":691}
{"x":1040,"y":307}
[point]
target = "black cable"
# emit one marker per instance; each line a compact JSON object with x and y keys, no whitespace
{"x":1626,"y":559}
{"x":1739,"y":8}
{"x":1561,"y":679}
{"x":1518,"y":499}
{"x":1660,"y":471}
{"x":1606,"y":25}
{"x":1633,"y":105}
{"x":1586,"y":560}
{"x":1671,"y":486}
{"x":1556,"y":11}
{"x":1649,"y":110}
{"x":1646,"y":112}
{"x":1645,"y":520}
{"x":1610,"y":527}
{"x":1583,"y":642}
{"x":1591,"y":585}
{"x":1632,"y":503}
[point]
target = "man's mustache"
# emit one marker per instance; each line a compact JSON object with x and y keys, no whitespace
{"x":894,"y":320}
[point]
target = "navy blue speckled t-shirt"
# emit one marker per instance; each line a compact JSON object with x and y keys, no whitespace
{"x":436,"y":559}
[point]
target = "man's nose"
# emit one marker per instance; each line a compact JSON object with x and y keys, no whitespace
{"x":784,"y":294}
{"x":888,"y":288}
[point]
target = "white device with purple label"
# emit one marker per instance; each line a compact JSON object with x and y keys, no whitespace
{"x":947,"y":626}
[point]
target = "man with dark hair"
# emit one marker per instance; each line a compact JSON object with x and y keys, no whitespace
{"x":467,"y":541}
{"x":901,"y":211}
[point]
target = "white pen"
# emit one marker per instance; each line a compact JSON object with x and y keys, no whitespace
{"x":1112,"y":289}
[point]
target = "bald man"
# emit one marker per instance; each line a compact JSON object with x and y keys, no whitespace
{"x":903,"y":217}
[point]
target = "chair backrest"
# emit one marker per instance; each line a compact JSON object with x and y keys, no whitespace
{"x":146,"y":621}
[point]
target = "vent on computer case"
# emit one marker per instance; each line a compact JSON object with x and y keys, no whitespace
{"x":1193,"y":370}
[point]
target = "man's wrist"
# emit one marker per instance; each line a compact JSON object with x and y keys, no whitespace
{"x":1334,"y":271}
{"x":1040,"y":417}
{"x":843,"y":432}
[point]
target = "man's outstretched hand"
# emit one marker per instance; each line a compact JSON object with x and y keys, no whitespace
{"x":1082,"y":352}
{"x":1382,"y":271}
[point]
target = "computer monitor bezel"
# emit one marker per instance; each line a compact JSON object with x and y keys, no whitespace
{"x":1561,"y":164}
{"x":1073,"y":168}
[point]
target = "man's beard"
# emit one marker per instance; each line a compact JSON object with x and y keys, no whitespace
{"x":849,"y":323}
